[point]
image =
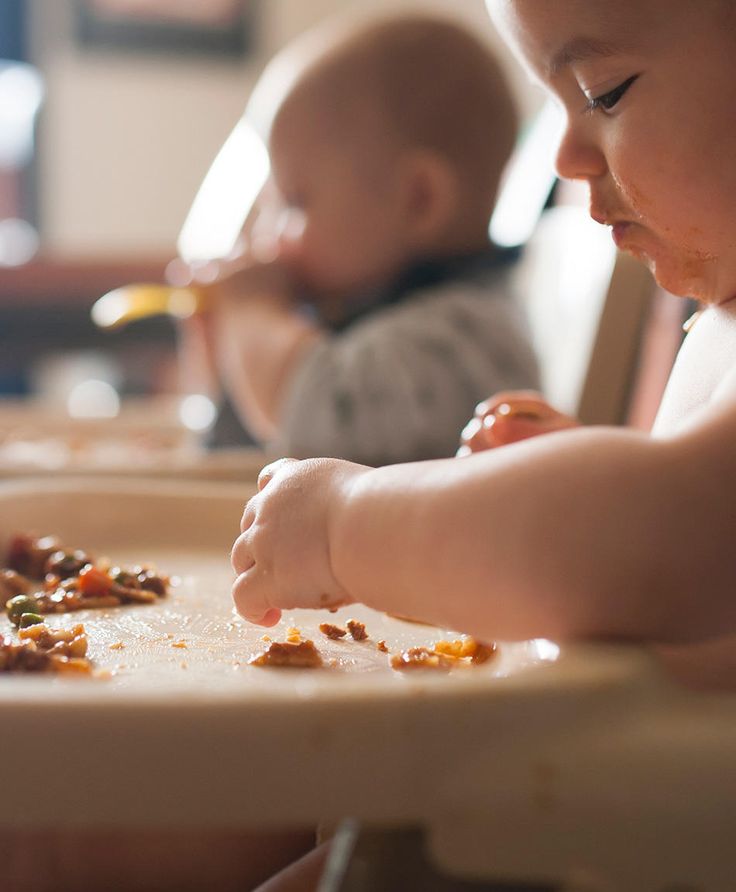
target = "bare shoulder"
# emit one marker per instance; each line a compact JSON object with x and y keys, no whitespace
{"x":703,"y":381}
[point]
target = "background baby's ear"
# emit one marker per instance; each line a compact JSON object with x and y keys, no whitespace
{"x":430,"y":194}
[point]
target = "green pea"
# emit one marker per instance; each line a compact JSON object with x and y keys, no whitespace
{"x":19,"y":605}
{"x":30,"y":619}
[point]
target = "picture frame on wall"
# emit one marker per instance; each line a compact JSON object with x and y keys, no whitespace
{"x":210,"y":27}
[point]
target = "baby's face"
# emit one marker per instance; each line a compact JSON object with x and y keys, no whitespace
{"x":648,"y":88}
{"x":338,"y":220}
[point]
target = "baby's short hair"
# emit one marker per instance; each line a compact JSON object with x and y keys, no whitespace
{"x":438,"y":84}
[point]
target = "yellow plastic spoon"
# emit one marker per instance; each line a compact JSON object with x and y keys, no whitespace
{"x":130,"y":302}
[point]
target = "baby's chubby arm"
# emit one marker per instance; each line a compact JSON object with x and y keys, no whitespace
{"x":592,"y":532}
{"x":256,"y":333}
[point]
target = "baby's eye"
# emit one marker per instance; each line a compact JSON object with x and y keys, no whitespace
{"x":608,"y":100}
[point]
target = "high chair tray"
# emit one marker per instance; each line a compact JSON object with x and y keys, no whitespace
{"x":146,"y":439}
{"x":544,"y":762}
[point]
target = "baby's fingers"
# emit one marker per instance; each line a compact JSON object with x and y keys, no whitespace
{"x":267,"y":474}
{"x":506,"y":425}
{"x":250,"y":596}
{"x":473,"y":438}
{"x":241,"y":556}
{"x":531,"y":400}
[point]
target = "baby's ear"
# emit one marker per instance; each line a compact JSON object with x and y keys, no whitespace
{"x":429,"y":195}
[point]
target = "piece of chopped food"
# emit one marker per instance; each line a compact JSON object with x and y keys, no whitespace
{"x":180,"y":644}
{"x":20,"y":604}
{"x":72,"y":580}
{"x":12,"y":584}
{"x":444,"y":655}
{"x":118,"y":645}
{"x":301,"y":655}
{"x":421,"y":658}
{"x":41,"y":649}
{"x":29,"y":619}
{"x":483,"y":653}
{"x":334,"y":632}
{"x":382,"y":647}
{"x":357,"y":630}
{"x":463,"y":648}
{"x":27,"y":555}
{"x":63,"y":564}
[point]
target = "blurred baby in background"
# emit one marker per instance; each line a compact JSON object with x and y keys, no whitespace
{"x":372,"y":312}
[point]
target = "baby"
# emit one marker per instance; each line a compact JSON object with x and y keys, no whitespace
{"x":586,"y":532}
{"x":578,"y":533}
{"x":387,"y":139}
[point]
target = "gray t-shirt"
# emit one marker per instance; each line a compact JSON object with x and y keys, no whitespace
{"x":400,"y":383}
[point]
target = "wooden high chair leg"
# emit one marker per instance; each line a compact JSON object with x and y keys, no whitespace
{"x":377,"y":860}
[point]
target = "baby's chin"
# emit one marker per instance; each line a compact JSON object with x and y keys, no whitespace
{"x":687,"y":274}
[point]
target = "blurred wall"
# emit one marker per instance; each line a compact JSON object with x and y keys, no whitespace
{"x":125,"y":140}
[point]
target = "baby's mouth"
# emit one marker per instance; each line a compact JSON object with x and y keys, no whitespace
{"x":618,"y":232}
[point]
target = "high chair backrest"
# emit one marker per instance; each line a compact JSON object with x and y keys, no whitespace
{"x":587,"y":304}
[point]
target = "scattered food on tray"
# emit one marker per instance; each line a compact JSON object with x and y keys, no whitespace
{"x":293,"y":635}
{"x":41,"y":576}
{"x":444,"y":655}
{"x":357,"y":630}
{"x":41,"y":649}
{"x":382,"y":647}
{"x":294,"y":655}
{"x":334,"y":632}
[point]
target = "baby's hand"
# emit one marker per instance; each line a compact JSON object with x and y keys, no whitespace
{"x":509,"y":417}
{"x":243,"y":277}
{"x":282,"y":556}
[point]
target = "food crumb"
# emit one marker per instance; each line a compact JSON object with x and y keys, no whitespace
{"x":444,"y":655}
{"x":295,"y":655}
{"x":334,"y":632}
{"x":266,"y":638}
{"x":180,"y":644}
{"x":357,"y":630}
{"x":421,"y":658}
{"x":119,"y":645}
{"x":382,"y":647}
{"x":293,"y":635}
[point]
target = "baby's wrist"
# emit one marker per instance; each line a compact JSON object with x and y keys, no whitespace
{"x":342,"y":535}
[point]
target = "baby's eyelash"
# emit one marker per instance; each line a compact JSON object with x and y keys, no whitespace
{"x":608,"y":100}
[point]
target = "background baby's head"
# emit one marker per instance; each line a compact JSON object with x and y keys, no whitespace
{"x":387,"y":141}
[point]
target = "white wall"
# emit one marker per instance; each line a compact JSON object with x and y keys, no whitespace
{"x":125,"y":140}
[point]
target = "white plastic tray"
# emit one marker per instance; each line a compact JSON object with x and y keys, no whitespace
{"x":543,"y":765}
